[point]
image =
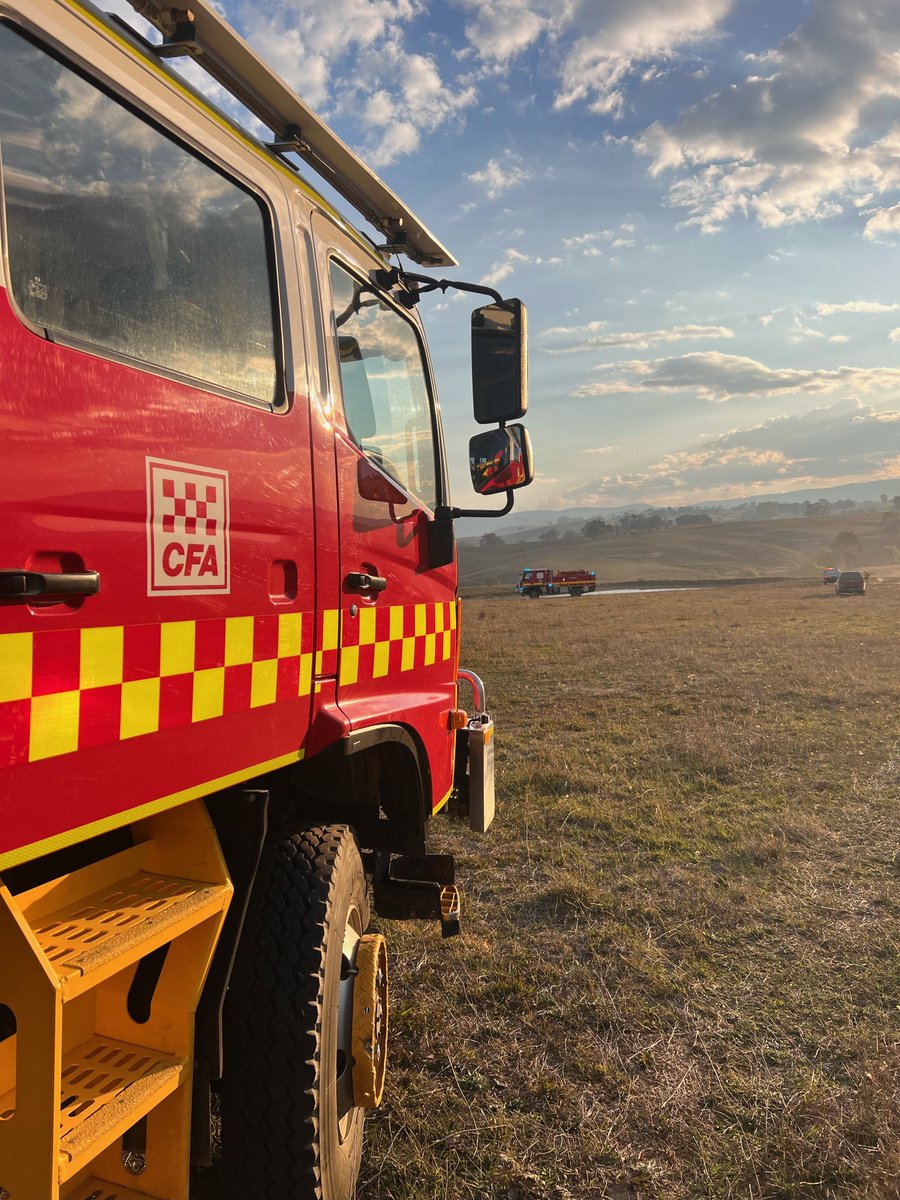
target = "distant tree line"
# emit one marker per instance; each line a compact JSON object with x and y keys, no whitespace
{"x":650,"y":519}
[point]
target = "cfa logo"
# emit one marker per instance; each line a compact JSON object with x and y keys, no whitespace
{"x":187,"y":529}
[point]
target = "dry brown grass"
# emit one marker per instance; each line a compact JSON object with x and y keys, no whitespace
{"x":678,"y":972}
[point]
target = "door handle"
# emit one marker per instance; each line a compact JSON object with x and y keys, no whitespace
{"x":358,"y":581}
{"x":22,"y":585}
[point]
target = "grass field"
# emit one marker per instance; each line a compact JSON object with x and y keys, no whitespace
{"x":678,"y":973}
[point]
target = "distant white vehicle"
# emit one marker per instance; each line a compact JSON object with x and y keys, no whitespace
{"x":831,"y":574}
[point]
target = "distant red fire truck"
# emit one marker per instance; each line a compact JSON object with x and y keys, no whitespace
{"x":535,"y":582}
{"x":229,"y":623}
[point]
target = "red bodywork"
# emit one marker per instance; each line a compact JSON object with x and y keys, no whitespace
{"x":120,"y":704}
{"x":548,"y":582}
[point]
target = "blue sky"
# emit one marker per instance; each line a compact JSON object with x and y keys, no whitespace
{"x":698,"y":200}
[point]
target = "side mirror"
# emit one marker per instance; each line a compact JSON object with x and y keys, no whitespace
{"x":500,"y":460}
{"x":373,"y":485}
{"x":499,"y":362}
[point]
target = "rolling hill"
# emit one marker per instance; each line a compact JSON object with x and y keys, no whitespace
{"x":728,"y":550}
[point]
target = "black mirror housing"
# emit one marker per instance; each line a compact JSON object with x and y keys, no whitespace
{"x":500,"y":460}
{"x":500,"y":362}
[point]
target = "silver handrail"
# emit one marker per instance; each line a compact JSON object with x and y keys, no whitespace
{"x":474,"y":682}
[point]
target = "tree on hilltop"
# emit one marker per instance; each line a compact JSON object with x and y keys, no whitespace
{"x":490,"y":539}
{"x":595,"y":528}
{"x":816,"y":508}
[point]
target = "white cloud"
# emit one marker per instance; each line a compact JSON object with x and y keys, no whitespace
{"x":589,"y":337}
{"x":791,"y":142}
{"x":584,"y":244}
{"x":601,"y":449}
{"x":894,"y":335}
{"x":503,"y":29}
{"x":856,"y":306}
{"x":513,"y":258}
{"x":885,"y":221}
{"x":595,"y":48}
{"x":350,"y":58}
{"x":720,"y":377}
{"x":612,"y":39}
{"x":500,"y":174}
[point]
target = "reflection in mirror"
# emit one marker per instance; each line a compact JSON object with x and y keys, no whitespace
{"x":500,"y":460}
{"x":499,"y":363}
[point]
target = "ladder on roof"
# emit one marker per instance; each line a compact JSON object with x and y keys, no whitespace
{"x":200,"y":32}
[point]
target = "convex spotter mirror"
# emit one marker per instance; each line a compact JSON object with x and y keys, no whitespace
{"x":500,"y":460}
{"x":499,"y":362}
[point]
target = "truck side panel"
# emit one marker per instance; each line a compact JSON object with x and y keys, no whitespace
{"x":192,"y":666}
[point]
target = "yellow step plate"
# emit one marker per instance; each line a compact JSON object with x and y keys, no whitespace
{"x":99,"y":1189}
{"x":106,"y":1087}
{"x":121,"y":923}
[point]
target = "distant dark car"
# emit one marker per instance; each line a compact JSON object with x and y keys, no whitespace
{"x":850,"y":583}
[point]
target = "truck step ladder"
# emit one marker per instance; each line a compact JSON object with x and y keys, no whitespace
{"x":101,"y":974}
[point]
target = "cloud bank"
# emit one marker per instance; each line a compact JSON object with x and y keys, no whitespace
{"x":841,"y":443}
{"x":723,"y":377}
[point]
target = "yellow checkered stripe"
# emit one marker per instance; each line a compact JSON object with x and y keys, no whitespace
{"x":67,"y":690}
{"x":379,"y":642}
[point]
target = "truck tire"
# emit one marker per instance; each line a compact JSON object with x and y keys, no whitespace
{"x":534,"y":593}
{"x":290,"y":1127}
{"x":574,"y":591}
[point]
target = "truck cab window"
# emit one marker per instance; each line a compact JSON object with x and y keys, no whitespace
{"x":121,"y":238}
{"x":384,"y":386}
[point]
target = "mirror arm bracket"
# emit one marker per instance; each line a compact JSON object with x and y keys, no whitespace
{"x":394,"y":275}
{"x":446,"y":512}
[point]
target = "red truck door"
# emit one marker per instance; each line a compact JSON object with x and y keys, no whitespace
{"x":153,"y":433}
{"x":397,"y":616}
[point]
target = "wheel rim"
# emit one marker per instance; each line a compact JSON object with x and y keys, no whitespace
{"x":370,"y":1021}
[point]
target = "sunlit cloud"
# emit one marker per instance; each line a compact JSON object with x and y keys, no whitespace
{"x":513,"y":258}
{"x":885,"y":222}
{"x":722,"y":377}
{"x":792,"y":142}
{"x":596,"y":50}
{"x":500,"y":174}
{"x":589,"y":337}
{"x":856,"y":306}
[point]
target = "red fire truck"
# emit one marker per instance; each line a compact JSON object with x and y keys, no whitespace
{"x":535,"y":582}
{"x":229,"y":625}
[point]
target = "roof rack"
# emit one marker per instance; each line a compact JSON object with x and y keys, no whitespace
{"x":202,"y":34}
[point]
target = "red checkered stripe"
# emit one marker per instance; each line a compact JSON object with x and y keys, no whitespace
{"x":381,"y":641}
{"x":66,"y":690}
